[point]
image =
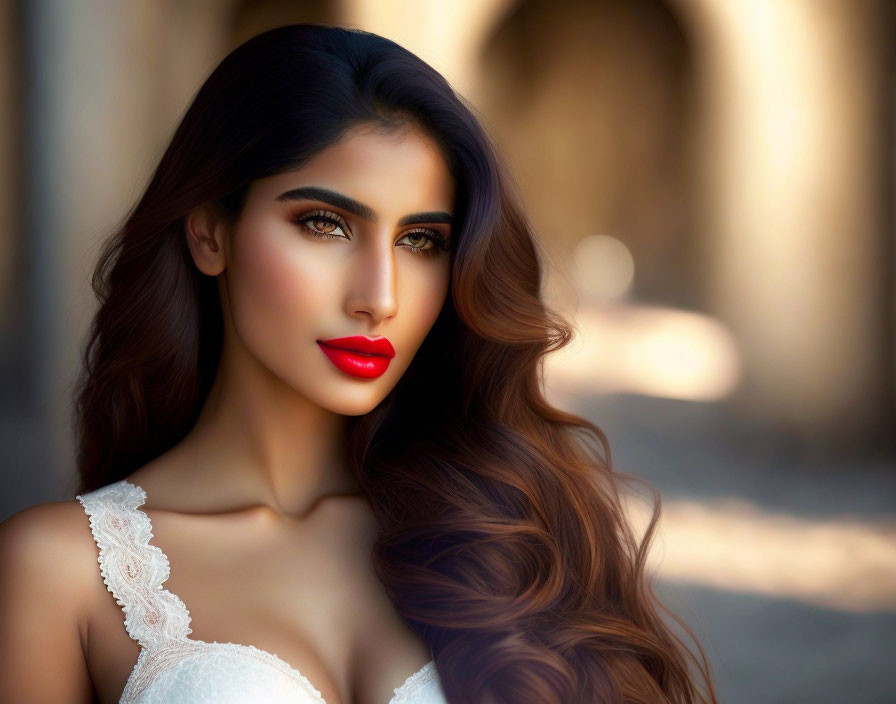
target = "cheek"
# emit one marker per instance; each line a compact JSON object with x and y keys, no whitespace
{"x":424,"y":296}
{"x":275,"y":291}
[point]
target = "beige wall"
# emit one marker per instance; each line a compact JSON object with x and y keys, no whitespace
{"x":793,"y":216}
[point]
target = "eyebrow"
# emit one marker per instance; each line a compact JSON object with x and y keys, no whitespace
{"x":365,"y":211}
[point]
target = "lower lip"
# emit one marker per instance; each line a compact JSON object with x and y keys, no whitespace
{"x":359,"y":365}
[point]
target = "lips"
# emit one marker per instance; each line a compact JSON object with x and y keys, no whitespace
{"x":359,"y":356}
{"x":380,"y":346}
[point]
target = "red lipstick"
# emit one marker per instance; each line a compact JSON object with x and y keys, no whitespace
{"x":358,"y":355}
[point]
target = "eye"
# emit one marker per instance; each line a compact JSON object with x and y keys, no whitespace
{"x":426,"y":242}
{"x":322,"y":224}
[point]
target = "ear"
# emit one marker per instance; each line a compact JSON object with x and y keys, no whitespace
{"x":205,"y":230}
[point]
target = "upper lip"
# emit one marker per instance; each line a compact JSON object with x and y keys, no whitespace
{"x":357,"y":343}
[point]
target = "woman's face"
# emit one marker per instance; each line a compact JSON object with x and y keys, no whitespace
{"x":353,"y":244}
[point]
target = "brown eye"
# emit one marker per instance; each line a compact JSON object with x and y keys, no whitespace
{"x":324,"y":226}
{"x":418,"y":238}
{"x":426,"y":242}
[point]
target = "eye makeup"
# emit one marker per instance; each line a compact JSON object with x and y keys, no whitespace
{"x":310,"y":222}
{"x":352,"y":206}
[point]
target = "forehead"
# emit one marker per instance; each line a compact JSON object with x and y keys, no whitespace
{"x":395,"y":172}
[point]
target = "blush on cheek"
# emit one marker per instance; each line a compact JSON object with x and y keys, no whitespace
{"x":278,"y":300}
{"x":284,"y":272}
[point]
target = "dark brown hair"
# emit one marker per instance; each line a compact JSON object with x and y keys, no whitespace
{"x":503,"y":541}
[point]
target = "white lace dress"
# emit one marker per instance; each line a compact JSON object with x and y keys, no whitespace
{"x":173,"y":668}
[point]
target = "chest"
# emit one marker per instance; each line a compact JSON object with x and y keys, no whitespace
{"x":310,"y":596}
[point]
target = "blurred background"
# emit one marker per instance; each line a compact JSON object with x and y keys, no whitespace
{"x":713,"y":184}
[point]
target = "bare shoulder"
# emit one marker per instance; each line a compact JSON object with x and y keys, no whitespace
{"x":43,"y":547}
{"x":47,"y":567}
{"x":53,"y":537}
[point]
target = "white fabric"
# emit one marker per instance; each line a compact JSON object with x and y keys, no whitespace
{"x":173,"y":668}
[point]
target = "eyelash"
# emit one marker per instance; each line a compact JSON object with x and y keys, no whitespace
{"x":439,"y":241}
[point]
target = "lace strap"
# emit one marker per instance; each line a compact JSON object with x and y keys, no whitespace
{"x":132,"y":569}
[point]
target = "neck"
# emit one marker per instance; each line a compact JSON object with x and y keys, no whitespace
{"x":258,"y":442}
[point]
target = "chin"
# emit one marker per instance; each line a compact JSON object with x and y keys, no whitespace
{"x":354,"y":410}
{"x":358,"y":404}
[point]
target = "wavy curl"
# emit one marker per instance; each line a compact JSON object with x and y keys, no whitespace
{"x":503,"y":541}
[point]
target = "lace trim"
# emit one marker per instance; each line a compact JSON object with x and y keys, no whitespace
{"x":152,"y":663}
{"x":413,"y":684}
{"x":132,"y":569}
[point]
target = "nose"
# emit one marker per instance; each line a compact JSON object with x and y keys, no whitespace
{"x":372,"y":284}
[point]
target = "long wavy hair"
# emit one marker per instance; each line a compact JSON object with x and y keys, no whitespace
{"x":504,"y":543}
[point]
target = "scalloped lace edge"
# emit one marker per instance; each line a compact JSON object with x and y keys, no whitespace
{"x":136,"y":497}
{"x":109,"y":553}
{"x":414,"y":683}
{"x":188,"y":649}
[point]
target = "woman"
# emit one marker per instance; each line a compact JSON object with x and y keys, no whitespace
{"x":312,"y":407}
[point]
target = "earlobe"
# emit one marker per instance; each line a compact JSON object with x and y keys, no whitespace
{"x":204,"y":231}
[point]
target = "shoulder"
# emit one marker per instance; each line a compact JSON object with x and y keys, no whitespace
{"x":55,"y":526}
{"x":45,"y":544}
{"x":48,"y":564}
